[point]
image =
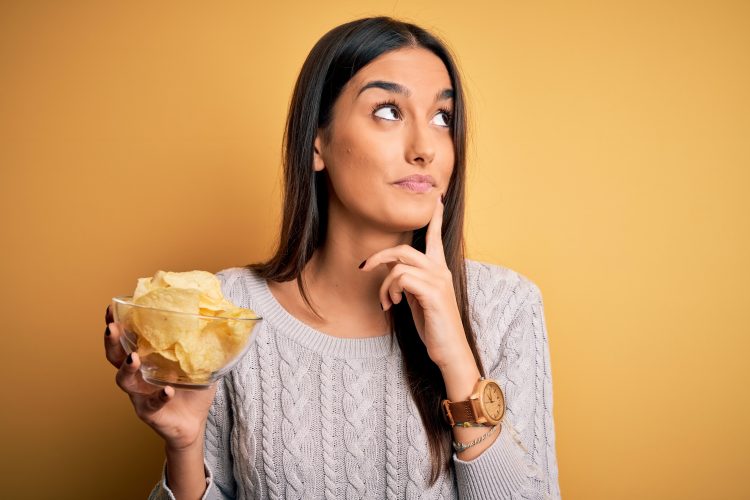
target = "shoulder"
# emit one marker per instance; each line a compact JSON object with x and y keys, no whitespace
{"x":492,"y":285}
{"x":231,"y":277}
{"x":501,"y":300}
{"x":239,"y":285}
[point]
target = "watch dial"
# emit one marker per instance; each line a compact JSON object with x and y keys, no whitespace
{"x":493,"y":401}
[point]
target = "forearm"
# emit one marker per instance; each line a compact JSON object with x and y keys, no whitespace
{"x":460,"y":379}
{"x":186,"y":476}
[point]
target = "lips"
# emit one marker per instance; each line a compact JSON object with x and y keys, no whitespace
{"x":417,"y":179}
{"x":416,"y":183}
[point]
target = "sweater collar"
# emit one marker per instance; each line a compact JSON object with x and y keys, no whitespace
{"x":283,"y":323}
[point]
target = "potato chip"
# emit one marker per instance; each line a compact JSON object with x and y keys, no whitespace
{"x":200,"y":345}
{"x":161,"y":329}
{"x":202,"y":281}
{"x":145,"y":349}
{"x":200,"y":354}
{"x":231,"y":334}
{"x":142,"y":288}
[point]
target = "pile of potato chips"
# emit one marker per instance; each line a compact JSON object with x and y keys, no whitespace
{"x":199,"y":344}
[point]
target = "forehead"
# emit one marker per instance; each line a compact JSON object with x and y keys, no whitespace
{"x":416,"y":68}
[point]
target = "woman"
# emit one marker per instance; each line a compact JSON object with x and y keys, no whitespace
{"x":327,"y":404}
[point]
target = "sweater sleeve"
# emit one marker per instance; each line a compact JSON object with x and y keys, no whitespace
{"x":217,"y":459}
{"x":217,"y":455}
{"x":521,"y":463}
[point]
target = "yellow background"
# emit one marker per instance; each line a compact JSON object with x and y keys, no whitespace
{"x":610,"y":164}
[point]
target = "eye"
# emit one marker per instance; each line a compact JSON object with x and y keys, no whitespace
{"x":444,"y":118}
{"x":387,"y":111}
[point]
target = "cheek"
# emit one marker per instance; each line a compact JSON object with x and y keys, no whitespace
{"x":361,"y":167}
{"x":445,"y":160}
{"x":359,"y":163}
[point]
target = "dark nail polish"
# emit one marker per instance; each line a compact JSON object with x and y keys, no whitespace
{"x":107,"y":332}
{"x":363,"y":264}
{"x":130,"y":359}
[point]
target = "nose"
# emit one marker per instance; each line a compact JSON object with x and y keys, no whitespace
{"x":420,"y":146}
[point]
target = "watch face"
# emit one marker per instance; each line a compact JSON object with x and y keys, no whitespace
{"x":494,"y":404}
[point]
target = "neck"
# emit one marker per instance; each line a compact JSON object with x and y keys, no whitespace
{"x":334,"y":267}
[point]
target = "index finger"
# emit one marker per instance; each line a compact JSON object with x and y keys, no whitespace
{"x":434,"y":237}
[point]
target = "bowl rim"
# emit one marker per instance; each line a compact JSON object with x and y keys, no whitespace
{"x":127,"y":301}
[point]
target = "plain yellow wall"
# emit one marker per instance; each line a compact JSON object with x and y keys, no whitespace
{"x":610,"y":164}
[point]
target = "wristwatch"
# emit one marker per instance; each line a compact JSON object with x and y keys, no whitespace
{"x":485,"y":406}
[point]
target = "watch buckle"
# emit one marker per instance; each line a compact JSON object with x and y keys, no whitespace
{"x":447,"y":412}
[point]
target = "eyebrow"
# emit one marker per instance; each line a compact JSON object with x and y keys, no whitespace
{"x":444,"y":95}
{"x":397,"y":88}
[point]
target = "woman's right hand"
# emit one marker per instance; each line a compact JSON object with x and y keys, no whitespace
{"x":179,"y":417}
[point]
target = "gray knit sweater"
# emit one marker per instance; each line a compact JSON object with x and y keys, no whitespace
{"x":306,"y":415}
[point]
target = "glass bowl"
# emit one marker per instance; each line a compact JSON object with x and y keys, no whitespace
{"x":185,"y":350}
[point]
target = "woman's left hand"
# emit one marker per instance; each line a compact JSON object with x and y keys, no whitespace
{"x":428,"y":285}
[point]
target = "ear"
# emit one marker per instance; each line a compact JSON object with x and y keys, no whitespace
{"x":318,"y":163}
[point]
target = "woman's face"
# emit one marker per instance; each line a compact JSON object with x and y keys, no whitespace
{"x":391,"y":121}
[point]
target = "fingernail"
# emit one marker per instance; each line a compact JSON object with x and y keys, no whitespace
{"x":130,"y":359}
{"x":363,"y":264}
{"x":107,"y":332}
{"x":106,"y":315}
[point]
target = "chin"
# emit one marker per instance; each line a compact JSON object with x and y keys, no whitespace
{"x":395,"y":215}
{"x":404,"y":224}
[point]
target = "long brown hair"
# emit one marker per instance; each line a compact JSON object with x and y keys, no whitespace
{"x":332,"y":62}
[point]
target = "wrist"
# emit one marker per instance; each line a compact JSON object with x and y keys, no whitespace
{"x":185,"y":471}
{"x":185,"y":450}
{"x":460,"y":377}
{"x":458,"y":358}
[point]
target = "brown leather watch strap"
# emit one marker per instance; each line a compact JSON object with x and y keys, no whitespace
{"x":462,"y":411}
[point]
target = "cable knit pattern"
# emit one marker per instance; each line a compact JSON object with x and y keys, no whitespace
{"x":245,"y":400}
{"x":391,"y":426}
{"x":358,"y":429}
{"x":294,"y":370}
{"x":270,"y":395}
{"x":523,"y":385}
{"x":330,"y":421}
{"x":242,"y":438}
{"x":218,"y":430}
{"x":417,"y":456}
{"x":418,"y":460}
{"x":308,"y":415}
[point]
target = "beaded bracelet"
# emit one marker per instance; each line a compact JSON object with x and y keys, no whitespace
{"x":469,"y":424}
{"x":459,"y":447}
